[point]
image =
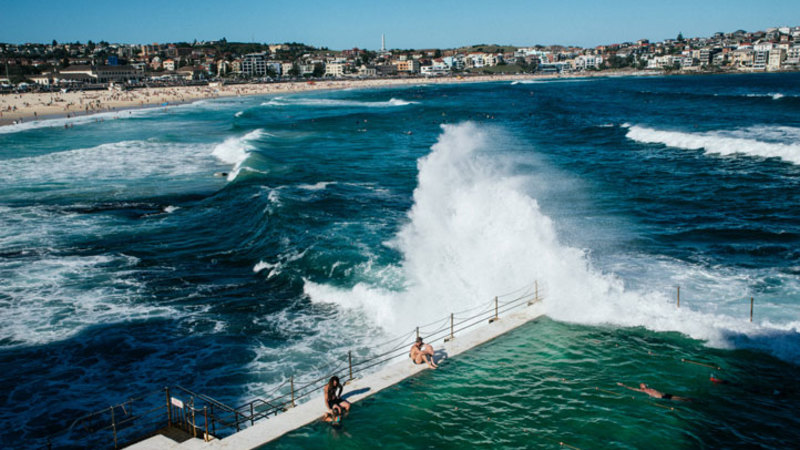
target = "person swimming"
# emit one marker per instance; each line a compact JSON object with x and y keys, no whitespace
{"x":655,"y":393}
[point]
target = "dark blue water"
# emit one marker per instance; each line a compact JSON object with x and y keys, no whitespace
{"x":336,"y":217}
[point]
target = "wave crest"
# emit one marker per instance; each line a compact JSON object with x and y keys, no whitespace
{"x":721,"y":142}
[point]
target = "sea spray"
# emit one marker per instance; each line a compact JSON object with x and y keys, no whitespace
{"x":474,"y":232}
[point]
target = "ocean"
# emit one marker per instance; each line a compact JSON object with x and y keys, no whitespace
{"x":227,"y":245}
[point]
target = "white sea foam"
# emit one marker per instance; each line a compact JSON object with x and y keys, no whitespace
{"x":316,"y":186}
{"x":474,"y":232}
{"x":330,"y":102}
{"x":54,"y":298}
{"x":722,"y":142}
{"x":115,"y":161}
{"x":772,"y":95}
{"x":238,"y":114}
{"x":277,"y":267}
{"x":235,"y":150}
{"x":261,"y":266}
{"x":553,"y":80}
{"x":78,"y":120}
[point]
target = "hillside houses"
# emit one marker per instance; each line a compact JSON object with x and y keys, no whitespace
{"x":774,"y":49}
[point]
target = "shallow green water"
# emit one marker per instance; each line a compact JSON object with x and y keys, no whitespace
{"x":550,"y":382}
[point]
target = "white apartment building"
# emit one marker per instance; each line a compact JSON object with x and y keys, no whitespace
{"x":793,"y":55}
{"x":335,"y":69}
{"x":430,"y":71}
{"x":585,"y":62}
{"x":776,"y":58}
{"x":760,"y":59}
{"x":661,"y":62}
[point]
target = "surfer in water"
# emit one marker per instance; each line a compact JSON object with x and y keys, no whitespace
{"x":333,"y":398}
{"x":422,"y":353}
{"x":654,"y":393}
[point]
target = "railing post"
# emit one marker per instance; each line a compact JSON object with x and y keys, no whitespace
{"x":291,"y":381}
{"x":496,"y":313}
{"x":417,"y":332}
{"x":536,"y":289}
{"x":751,"y":309}
{"x":194,"y":420}
{"x":679,"y":296}
{"x":451,"y":337}
{"x":236,"y":419}
{"x":213,"y":421}
{"x":114,"y":426}
{"x":252,"y":413}
{"x":169,"y":408}
{"x":205,"y":423}
{"x":350,"y":362}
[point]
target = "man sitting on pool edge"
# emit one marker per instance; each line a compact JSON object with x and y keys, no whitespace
{"x":422,"y":353}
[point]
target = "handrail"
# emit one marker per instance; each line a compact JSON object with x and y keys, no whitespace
{"x":234,"y":418}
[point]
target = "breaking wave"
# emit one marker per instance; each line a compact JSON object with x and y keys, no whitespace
{"x":475,"y":232}
{"x":327,"y":102}
{"x":754,"y":141}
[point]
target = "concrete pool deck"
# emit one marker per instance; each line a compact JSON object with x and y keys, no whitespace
{"x":358,"y":389}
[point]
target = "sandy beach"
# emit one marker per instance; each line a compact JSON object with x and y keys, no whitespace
{"x":26,"y":107}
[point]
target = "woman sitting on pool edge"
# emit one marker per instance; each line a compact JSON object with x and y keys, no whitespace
{"x":422,"y":353}
{"x":333,"y":397}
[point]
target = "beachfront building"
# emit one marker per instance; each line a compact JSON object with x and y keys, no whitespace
{"x":367,"y":71}
{"x":661,"y":62}
{"x":588,"y":62}
{"x":407,"y":66}
{"x":430,"y":71}
{"x":117,"y":74}
{"x":169,"y":65}
{"x":742,"y":58}
{"x":335,"y":69}
{"x":101,"y":74}
{"x":386,"y":69}
{"x":760,"y":59}
{"x":192,"y":73}
{"x":286,"y":68}
{"x":761,"y":55}
{"x":775,"y":58}
{"x":306,"y":69}
{"x":223,"y":67}
{"x":793,"y":54}
{"x":254,"y":64}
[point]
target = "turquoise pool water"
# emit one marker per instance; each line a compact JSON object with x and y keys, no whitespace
{"x":549,"y":383}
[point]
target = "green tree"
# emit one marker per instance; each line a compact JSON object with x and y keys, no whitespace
{"x":680,"y":37}
{"x":319,"y":70}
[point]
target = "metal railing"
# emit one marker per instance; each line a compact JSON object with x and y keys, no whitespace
{"x":190,"y":414}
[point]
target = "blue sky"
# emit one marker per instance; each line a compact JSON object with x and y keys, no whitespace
{"x":407,"y":24}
